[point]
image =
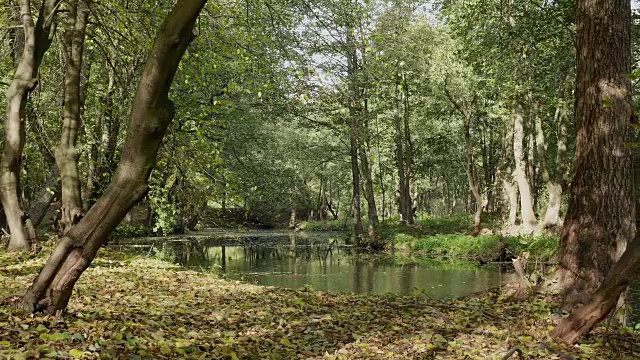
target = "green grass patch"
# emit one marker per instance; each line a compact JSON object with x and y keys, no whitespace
{"x":483,"y":248}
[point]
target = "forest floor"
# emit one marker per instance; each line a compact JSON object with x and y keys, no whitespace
{"x":128,"y":307}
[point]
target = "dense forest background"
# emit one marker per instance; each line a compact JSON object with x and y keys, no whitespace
{"x":460,"y":106}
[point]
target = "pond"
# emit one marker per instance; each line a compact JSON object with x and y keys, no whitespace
{"x":321,"y":261}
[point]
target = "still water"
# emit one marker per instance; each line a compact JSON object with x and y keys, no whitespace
{"x":321,"y":261}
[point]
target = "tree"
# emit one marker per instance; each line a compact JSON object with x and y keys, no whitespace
{"x":66,"y":153}
{"x":151,"y":114}
{"x":37,"y":39}
{"x":604,"y":300}
{"x":600,"y":220}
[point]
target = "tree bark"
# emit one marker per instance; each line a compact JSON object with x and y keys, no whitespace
{"x":600,"y":219}
{"x":604,"y":300}
{"x":472,"y":177}
{"x":554,"y":188}
{"x":354,"y":132}
{"x":45,"y":197}
{"x":355,"y":173}
{"x":400,"y":164}
{"x":408,"y":154}
{"x":66,"y":154}
{"x":529,"y":221}
{"x":152,"y":112}
{"x":37,"y":41}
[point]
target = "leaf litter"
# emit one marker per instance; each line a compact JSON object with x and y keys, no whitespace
{"x":128,"y":307}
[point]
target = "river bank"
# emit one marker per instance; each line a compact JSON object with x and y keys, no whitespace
{"x":447,"y":238}
{"x":135,"y":307}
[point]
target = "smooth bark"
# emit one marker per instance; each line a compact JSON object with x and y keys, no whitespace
{"x":36,"y":42}
{"x":152,"y":112}
{"x":529,"y":221}
{"x":67,"y":155}
{"x":541,"y":148}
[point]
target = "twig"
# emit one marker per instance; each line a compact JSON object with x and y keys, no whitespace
{"x":511,"y":352}
{"x":561,"y":355}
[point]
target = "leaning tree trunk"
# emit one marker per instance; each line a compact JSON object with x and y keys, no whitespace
{"x":66,"y":154}
{"x":529,"y":221}
{"x":600,"y":220}
{"x":36,"y":41}
{"x":151,"y":114}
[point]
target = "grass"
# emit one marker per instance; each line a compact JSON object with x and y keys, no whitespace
{"x":130,"y":307}
{"x":484,"y":248}
{"x":327,"y":225}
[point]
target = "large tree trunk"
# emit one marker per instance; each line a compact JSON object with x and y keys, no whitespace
{"x":529,"y":221}
{"x":601,"y":216}
{"x":66,"y":154}
{"x":37,"y":41}
{"x":151,"y":114}
{"x":604,"y":300}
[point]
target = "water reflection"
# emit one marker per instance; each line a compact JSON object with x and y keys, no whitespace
{"x":321,"y":261}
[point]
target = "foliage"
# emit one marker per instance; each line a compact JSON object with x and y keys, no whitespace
{"x":483,"y":248}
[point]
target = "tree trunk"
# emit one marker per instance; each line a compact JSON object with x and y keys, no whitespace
{"x":600,"y":220}
{"x":472,"y":177}
{"x":529,"y":221}
{"x":93,"y":175}
{"x":292,"y":219}
{"x":399,"y":136}
{"x":354,"y":133}
{"x":45,"y":197}
{"x":66,"y":154}
{"x":151,"y":114}
{"x":506,"y":176}
{"x":554,"y":189}
{"x":408,"y":154}
{"x":37,"y":41}
{"x":604,"y":300}
{"x":372,"y":211}
{"x":357,"y":216}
